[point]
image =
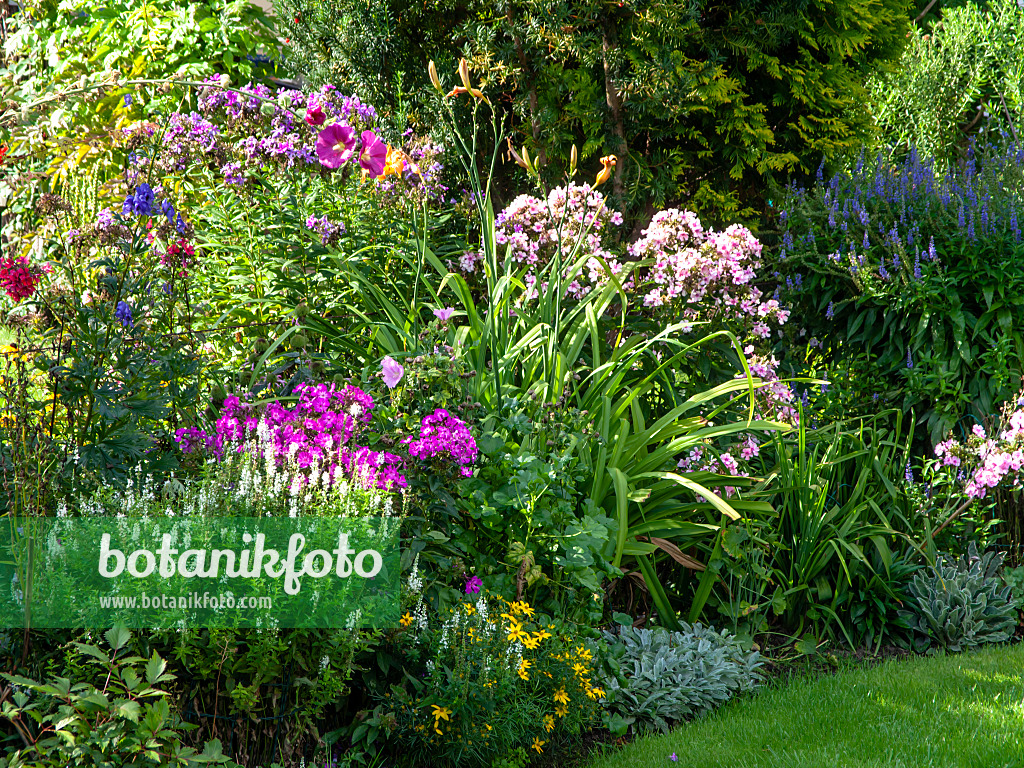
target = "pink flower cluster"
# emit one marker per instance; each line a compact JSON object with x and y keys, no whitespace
{"x":18,"y":278}
{"x":532,"y":229}
{"x":318,"y":432}
{"x":704,"y":272}
{"x":446,"y":437}
{"x":987,"y":462}
{"x":774,"y":398}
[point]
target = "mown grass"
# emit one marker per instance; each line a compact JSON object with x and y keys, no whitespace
{"x":957,"y":711}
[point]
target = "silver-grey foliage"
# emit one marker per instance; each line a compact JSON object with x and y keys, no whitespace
{"x":960,"y":604}
{"x":654,"y":676}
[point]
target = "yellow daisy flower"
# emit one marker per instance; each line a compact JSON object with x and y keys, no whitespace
{"x":561,"y":695}
{"x":538,"y":745}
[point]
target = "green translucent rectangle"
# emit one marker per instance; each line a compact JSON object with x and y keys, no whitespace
{"x":216,"y":572}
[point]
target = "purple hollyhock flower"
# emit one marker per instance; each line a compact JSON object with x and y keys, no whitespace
{"x":473,"y":584}
{"x":391,"y":371}
{"x":334,"y":145}
{"x":444,"y":315}
{"x":315,"y":115}
{"x":374,"y":154}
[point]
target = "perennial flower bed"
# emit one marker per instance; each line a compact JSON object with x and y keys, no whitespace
{"x":634,"y":456}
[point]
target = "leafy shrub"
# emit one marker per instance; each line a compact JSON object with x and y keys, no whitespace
{"x":911,"y":274}
{"x":964,"y":74}
{"x":127,"y":720}
{"x":873,"y":606}
{"x":655,"y":677}
{"x":962,"y":604}
{"x":700,"y":101}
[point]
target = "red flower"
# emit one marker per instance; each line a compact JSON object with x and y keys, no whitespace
{"x":18,"y":278}
{"x":3,"y":152}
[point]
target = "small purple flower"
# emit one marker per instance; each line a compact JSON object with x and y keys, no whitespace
{"x":335,"y":144}
{"x":124,"y":314}
{"x":673,"y":757}
{"x":830,"y":311}
{"x":473,"y":584}
{"x":391,"y":371}
{"x":910,"y":360}
{"x":374,"y":154}
{"x":127,"y":100}
{"x":909,"y":474}
{"x":444,"y":315}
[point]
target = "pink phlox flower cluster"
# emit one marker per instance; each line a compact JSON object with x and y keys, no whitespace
{"x":532,"y":229}
{"x":773,"y":397}
{"x":988,"y":462}
{"x":445,"y":436}
{"x":724,"y":464}
{"x":704,"y":270}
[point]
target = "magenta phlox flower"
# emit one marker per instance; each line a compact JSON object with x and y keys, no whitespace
{"x":335,"y":145}
{"x":445,"y":437}
{"x":473,"y":585}
{"x":391,"y":371}
{"x":374,"y":154}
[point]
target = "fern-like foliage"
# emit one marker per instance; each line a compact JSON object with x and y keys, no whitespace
{"x":655,"y":677}
{"x":961,"y":604}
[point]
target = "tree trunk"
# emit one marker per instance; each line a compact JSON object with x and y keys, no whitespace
{"x":614,"y":101}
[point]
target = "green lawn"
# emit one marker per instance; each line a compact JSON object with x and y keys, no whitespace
{"x":963,"y":711}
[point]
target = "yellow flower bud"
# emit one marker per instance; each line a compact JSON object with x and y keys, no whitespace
{"x":573,"y":157}
{"x":464,"y":74}
{"x":432,"y":71}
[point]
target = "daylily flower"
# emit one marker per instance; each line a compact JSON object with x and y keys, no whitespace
{"x":374,"y":154}
{"x":391,"y":371}
{"x":335,"y":144}
{"x":395,"y":163}
{"x":444,"y":315}
{"x":315,"y":115}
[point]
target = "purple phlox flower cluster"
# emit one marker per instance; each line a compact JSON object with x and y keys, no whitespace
{"x":420,"y":178}
{"x":446,"y":437}
{"x":328,"y":230}
{"x":578,"y":220}
{"x":704,"y":271}
{"x":266,"y":132}
{"x":473,"y":585}
{"x":317,"y":433}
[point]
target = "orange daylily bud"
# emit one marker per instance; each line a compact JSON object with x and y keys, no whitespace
{"x":605,"y":173}
{"x":432,"y":71}
{"x":464,"y":74}
{"x":458,"y":90}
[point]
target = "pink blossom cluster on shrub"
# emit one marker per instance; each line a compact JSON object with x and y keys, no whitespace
{"x":704,"y":273}
{"x":575,"y":217}
{"x":317,"y":433}
{"x":989,"y":462}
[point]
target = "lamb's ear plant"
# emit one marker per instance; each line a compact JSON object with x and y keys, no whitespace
{"x":961,"y":604}
{"x":655,"y":677}
{"x":124,"y":720}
